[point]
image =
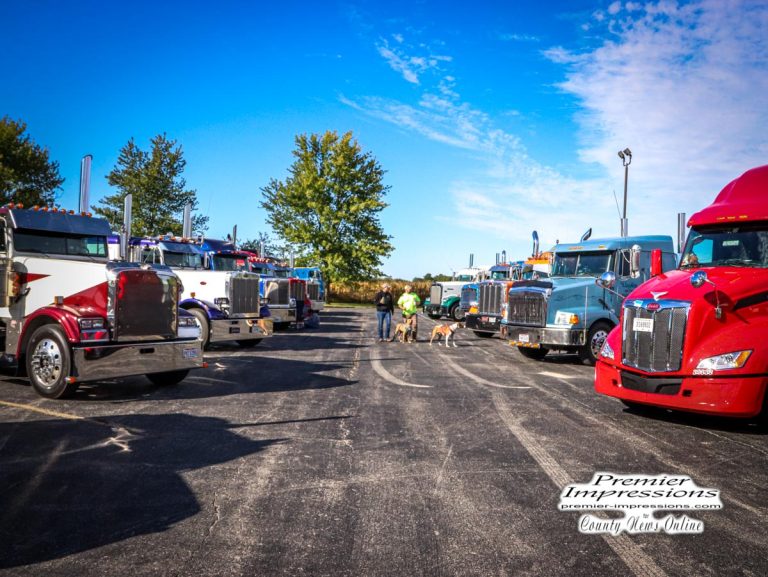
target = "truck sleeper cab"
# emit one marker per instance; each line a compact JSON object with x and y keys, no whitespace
{"x":226,"y":304}
{"x":693,"y":339}
{"x":68,"y":315}
{"x":568,"y":311}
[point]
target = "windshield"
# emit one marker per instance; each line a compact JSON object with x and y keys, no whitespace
{"x":182,"y":259}
{"x":60,"y":244}
{"x":581,"y":263}
{"x":260,"y":269}
{"x":500,"y":275}
{"x":745,"y":245}
{"x":464,"y":278}
{"x":283,"y":273}
{"x":227,"y":262}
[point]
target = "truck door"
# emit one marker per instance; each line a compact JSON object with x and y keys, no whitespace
{"x":9,"y":279}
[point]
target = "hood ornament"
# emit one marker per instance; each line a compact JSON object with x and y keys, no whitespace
{"x":657,"y":295}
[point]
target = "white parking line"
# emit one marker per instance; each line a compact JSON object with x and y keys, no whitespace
{"x":387,"y":376}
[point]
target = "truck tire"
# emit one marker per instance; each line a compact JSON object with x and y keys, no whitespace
{"x":596,"y":336}
{"x":168,"y":379}
{"x":49,"y":362}
{"x":205,"y":326}
{"x":456,"y":313}
{"x":249,"y":344}
{"x":535,"y":354}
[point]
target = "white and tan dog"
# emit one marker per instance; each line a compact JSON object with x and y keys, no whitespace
{"x":447,"y":332}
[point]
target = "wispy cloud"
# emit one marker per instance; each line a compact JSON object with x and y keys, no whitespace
{"x":510,"y":37}
{"x":683,"y":86}
{"x":409,"y":66}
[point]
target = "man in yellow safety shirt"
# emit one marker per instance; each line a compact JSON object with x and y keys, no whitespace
{"x":409,"y":303}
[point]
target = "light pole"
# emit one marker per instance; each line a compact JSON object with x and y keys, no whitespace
{"x":626,"y":159}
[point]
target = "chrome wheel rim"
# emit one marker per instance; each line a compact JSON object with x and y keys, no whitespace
{"x":597,"y":342}
{"x":47,"y":363}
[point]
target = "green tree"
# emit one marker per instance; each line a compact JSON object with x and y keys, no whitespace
{"x":159,"y":191}
{"x":270,"y":246}
{"x":26,"y":173}
{"x":328,"y":207}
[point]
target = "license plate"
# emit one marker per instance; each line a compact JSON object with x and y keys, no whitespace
{"x":524,"y":338}
{"x":189,"y":353}
{"x":642,"y":325}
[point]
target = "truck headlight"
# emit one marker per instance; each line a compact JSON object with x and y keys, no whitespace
{"x":185,"y":321}
{"x":607,"y":352}
{"x":723,"y":362}
{"x":566,"y":318}
{"x":91,"y":324}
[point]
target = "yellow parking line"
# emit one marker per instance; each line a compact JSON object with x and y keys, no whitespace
{"x":42,"y":411}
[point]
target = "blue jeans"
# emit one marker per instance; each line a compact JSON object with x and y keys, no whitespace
{"x":384,"y":318}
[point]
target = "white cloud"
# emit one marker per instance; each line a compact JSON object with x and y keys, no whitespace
{"x":410,"y":67}
{"x":683,"y":85}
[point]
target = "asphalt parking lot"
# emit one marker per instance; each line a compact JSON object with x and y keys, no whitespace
{"x":323,"y":452}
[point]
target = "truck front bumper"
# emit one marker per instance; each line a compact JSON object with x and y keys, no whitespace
{"x":318,"y":305}
{"x":100,"y":362}
{"x":434,"y":310}
{"x":282,"y":315}
{"x":727,"y":396}
{"x":482,"y":323}
{"x":537,"y":337}
{"x":240,"y":329}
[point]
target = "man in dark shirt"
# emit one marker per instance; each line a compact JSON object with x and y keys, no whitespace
{"x":385,"y":306}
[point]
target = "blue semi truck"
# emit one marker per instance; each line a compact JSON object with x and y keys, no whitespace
{"x":568,"y":311}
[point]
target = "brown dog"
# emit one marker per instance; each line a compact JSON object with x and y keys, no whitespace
{"x":445,"y":331}
{"x":404,"y":331}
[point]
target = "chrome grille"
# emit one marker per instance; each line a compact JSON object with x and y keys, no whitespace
{"x":278,"y":291}
{"x":468,"y":295}
{"x":243,"y":294}
{"x":661,"y":348}
{"x":435,"y":294}
{"x":527,"y":308}
{"x":298,"y":290}
{"x":144,"y":304}
{"x":313,"y":291}
{"x":490,"y":299}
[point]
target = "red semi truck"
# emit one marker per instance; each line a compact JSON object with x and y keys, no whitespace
{"x":694,"y":339}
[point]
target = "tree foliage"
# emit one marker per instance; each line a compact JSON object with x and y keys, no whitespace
{"x":270,"y":247}
{"x":328,"y":207}
{"x":159,"y":191}
{"x":26,"y":173}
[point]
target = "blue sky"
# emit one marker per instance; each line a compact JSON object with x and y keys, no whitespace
{"x":492,"y":119}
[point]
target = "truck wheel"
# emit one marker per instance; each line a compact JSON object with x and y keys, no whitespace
{"x":249,"y":344}
{"x":456,"y":313}
{"x":168,"y":379}
{"x":590,"y":352}
{"x":535,"y":354}
{"x":202,"y":318}
{"x":49,"y":363}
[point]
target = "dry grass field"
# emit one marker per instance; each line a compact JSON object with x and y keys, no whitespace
{"x":364,"y":291}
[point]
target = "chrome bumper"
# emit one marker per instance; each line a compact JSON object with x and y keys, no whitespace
{"x":282,"y":315}
{"x":96,"y":363}
{"x":536,"y":337}
{"x":239,"y":329}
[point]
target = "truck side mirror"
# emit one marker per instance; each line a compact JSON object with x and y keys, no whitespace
{"x":634,"y":260}
{"x":607,"y":280}
{"x":656,"y":267}
{"x":698,"y":278}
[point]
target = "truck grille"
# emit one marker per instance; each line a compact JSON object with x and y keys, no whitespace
{"x":278,"y":291}
{"x":243,"y":294}
{"x":298,"y":290}
{"x":144,"y":305}
{"x":527,"y":308}
{"x":435,"y":294}
{"x":490,"y":299}
{"x":661,"y":348}
{"x":468,"y":295}
{"x":313,"y":291}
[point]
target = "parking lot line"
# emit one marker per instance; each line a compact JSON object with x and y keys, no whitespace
{"x":42,"y":411}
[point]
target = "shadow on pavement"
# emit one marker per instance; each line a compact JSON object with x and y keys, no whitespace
{"x":68,"y":486}
{"x":708,"y":422}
